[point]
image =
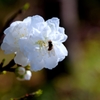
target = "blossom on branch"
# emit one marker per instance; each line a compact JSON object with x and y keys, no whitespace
{"x":23,"y":74}
{"x":36,"y":42}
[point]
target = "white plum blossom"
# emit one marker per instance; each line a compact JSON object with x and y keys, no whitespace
{"x":36,"y":42}
{"x":23,"y":74}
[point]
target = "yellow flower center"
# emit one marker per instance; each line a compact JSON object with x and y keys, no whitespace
{"x":41,"y":43}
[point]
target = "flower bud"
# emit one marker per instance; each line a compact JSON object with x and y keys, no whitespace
{"x":28,"y":75}
{"x":23,"y":74}
{"x":21,"y":70}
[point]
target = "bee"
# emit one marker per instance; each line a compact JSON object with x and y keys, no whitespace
{"x":50,"y":45}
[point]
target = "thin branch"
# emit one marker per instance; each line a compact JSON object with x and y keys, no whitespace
{"x":30,"y":96}
{"x":8,"y":67}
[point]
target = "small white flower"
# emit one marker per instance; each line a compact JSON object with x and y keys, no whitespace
{"x":23,"y":74}
{"x":28,"y":75}
{"x":36,"y":42}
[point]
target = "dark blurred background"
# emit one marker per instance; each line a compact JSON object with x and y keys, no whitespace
{"x":78,"y":76}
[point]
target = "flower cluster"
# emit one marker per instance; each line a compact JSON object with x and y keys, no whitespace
{"x":36,"y":42}
{"x":23,"y":74}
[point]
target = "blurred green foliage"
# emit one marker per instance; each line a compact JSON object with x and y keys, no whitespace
{"x":26,"y":6}
{"x":8,"y":2}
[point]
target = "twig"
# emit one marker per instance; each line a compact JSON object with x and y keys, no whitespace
{"x":30,"y":96}
{"x":8,"y":67}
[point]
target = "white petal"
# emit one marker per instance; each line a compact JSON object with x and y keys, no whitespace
{"x":28,"y":75}
{"x":60,"y":51}
{"x":61,"y":35}
{"x":54,"y":21}
{"x":19,"y":31}
{"x":58,"y":35}
{"x":15,"y":23}
{"x":27,"y":46}
{"x":8,"y":30}
{"x":36,"y":65}
{"x":21,"y":59}
{"x":37,"y":22}
{"x":27,"y":20}
{"x":50,"y":61}
{"x":37,"y":19}
{"x":7,"y":48}
{"x":10,"y":41}
{"x":36,"y":61}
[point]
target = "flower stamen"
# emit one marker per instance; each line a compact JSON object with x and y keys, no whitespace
{"x":41,"y":43}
